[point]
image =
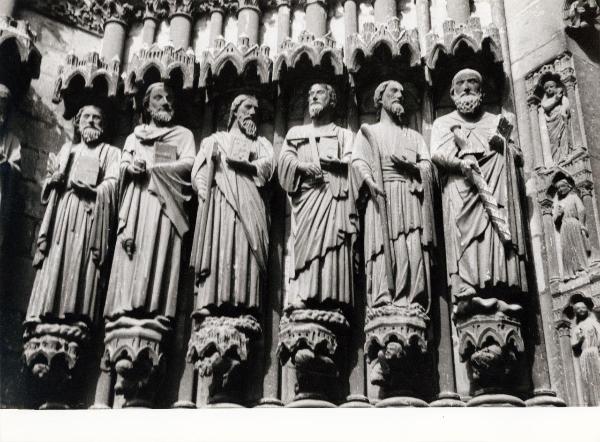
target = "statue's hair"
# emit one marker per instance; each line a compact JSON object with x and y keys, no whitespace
{"x":146,"y":101}
{"x":330,"y":90}
{"x":462,"y":73}
{"x":378,"y":95}
{"x":77,"y":131}
{"x":235,"y":105}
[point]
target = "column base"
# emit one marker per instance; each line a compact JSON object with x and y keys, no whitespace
{"x":401,"y":401}
{"x":138,"y":403}
{"x":356,"y":401}
{"x":100,"y":407}
{"x":310,"y":403}
{"x":269,"y":402}
{"x":495,"y":400}
{"x":54,"y":406}
{"x":545,"y":398}
{"x":183,"y":404}
{"x":225,"y":405}
{"x":448,"y":400}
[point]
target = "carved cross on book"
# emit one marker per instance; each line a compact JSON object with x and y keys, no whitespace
{"x":164,"y":153}
{"x":86,"y":169}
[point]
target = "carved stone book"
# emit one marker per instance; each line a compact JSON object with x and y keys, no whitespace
{"x":86,"y":169}
{"x":241,"y":151}
{"x":164,"y":153}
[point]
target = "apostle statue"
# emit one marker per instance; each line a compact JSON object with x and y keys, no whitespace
{"x":485,"y":244}
{"x":313,"y":170}
{"x":230,"y":249}
{"x":569,"y":217}
{"x":10,"y":159}
{"x":557,"y":112}
{"x":392,"y":162}
{"x":585,"y":339}
{"x":75,"y":240}
{"x":155,"y":171}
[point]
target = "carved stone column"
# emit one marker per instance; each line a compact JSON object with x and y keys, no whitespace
{"x":586,"y":189}
{"x":284,"y":22}
{"x":350,"y":18}
{"x":152,"y":16}
{"x":248,"y":20}
{"x":181,"y":19}
{"x":396,"y":348}
{"x":568,"y":78}
{"x":217,"y":15}
{"x":423,"y":21}
{"x":563,"y":327}
{"x":316,"y":17}
{"x":310,"y":339}
{"x":458,"y":10}
{"x":383,"y":10}
{"x":113,"y":41}
{"x":219,"y":348}
{"x":533,"y":103}
{"x":7,"y":7}
{"x":134,"y":349}
{"x":546,"y":205}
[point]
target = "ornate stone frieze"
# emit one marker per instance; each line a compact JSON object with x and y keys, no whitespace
{"x":134,"y":350}
{"x":220,"y":347}
{"x":90,"y":68}
{"x":51,"y":353}
{"x":390,"y":34}
{"x":157,"y":9}
{"x":396,"y":346}
{"x":309,"y":339}
{"x":240,"y":55}
{"x":581,"y":13}
{"x":318,"y":50}
{"x":165,"y":60}
{"x":561,"y":66}
{"x":455,"y":35}
{"x":90,"y":15}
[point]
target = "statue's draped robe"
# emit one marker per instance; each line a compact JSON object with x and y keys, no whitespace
{"x":323,"y":211}
{"x":232,"y":262}
{"x":589,"y":358}
{"x":10,"y":147}
{"x":475,"y":254}
{"x":75,"y":240}
{"x":558,"y":133}
{"x":410,"y":215}
{"x":574,"y":240}
{"x":152,"y":215}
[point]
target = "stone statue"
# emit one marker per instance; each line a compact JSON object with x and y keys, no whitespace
{"x":10,"y":159}
{"x":75,"y":239}
{"x":391,"y":161}
{"x":231,"y":244}
{"x":557,"y":112}
{"x":569,"y":217}
{"x":585,"y":339}
{"x":484,"y":237}
{"x":144,"y":282}
{"x":313,"y":170}
{"x":485,"y":245}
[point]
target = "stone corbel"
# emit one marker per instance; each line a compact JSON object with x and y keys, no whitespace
{"x":582,"y":13}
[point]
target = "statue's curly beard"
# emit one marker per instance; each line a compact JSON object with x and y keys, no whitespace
{"x":395,"y":109}
{"x":161,"y":116}
{"x":248,"y":127}
{"x":90,"y":134}
{"x":468,"y":103}
{"x":315,"y":110}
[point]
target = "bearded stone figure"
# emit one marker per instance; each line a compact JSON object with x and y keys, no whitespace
{"x":557,"y":112}
{"x":391,"y":162}
{"x":484,"y":236}
{"x":313,"y":170}
{"x":569,"y":217}
{"x":10,"y":159}
{"x":585,"y":339}
{"x":230,"y":248}
{"x":142,"y":293}
{"x":74,"y":243}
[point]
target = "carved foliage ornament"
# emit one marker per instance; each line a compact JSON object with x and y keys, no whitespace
{"x":581,"y":13}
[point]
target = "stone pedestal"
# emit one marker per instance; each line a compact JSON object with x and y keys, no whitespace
{"x":220,"y":347}
{"x":181,"y":30}
{"x":51,"y":353}
{"x":310,"y":340}
{"x":134,"y":349}
{"x":396,"y":348}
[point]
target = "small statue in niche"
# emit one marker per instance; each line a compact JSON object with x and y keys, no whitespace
{"x":557,"y":112}
{"x":10,"y":159}
{"x":392,"y":162}
{"x":569,"y":217}
{"x":313,"y":170}
{"x":585,"y":339}
{"x":74,"y":243}
{"x":230,"y":249}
